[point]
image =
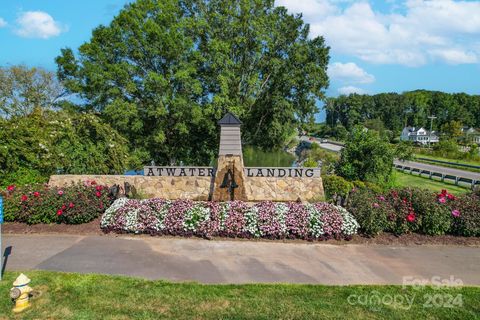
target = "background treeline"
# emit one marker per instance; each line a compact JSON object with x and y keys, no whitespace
{"x":393,"y":111}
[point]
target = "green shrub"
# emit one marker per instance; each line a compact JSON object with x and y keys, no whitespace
{"x":366,"y":157}
{"x":369,"y":212}
{"x":310,"y":163}
{"x":467,"y":223}
{"x":23,"y":176}
{"x":374,"y":187}
{"x":407,"y":210}
{"x":73,"y":204}
{"x":435,"y":217}
{"x":336,"y":186}
{"x":359,"y":184}
{"x":40,"y":144}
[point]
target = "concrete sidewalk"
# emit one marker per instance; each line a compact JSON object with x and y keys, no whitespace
{"x":223,"y":261}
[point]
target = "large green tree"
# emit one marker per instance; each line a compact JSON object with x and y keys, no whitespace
{"x":22,"y":89}
{"x":164,"y":71}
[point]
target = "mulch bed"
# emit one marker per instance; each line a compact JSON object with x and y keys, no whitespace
{"x":93,"y":228}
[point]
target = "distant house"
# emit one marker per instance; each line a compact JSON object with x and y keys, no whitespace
{"x":419,"y":135}
{"x":471,"y":135}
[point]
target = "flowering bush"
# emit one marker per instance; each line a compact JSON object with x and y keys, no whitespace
{"x":73,"y":204}
{"x":414,"y":210}
{"x":465,"y":212}
{"x":370,"y":211}
{"x":233,"y":219}
{"x":434,"y":215}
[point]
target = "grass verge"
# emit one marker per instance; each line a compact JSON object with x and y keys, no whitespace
{"x":411,"y":180}
{"x":454,"y":161}
{"x":76,"y":296}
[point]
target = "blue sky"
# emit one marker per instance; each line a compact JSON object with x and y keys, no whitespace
{"x":376,"y":46}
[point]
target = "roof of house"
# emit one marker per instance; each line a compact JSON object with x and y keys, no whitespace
{"x":470,"y":130}
{"x":412,"y":131}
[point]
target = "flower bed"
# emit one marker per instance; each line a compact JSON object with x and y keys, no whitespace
{"x":266,"y":219}
{"x":73,"y":204}
{"x":415,"y":210}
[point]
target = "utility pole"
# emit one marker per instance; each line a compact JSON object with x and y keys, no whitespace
{"x":430,"y":133}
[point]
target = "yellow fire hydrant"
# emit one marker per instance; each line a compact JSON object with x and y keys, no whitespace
{"x":21,"y":293}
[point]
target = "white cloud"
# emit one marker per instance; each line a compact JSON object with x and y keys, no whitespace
{"x":455,"y":56}
{"x":309,"y":8}
{"x":350,"y":89}
{"x":425,"y":31}
{"x":349,"y":72}
{"x":3,"y":23}
{"x":37,"y":24}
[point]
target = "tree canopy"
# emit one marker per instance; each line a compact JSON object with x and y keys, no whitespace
{"x":42,"y":143}
{"x":164,"y":71}
{"x":407,"y":109}
{"x":23,"y":89}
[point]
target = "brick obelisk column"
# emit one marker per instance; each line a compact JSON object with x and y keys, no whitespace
{"x":229,"y":177}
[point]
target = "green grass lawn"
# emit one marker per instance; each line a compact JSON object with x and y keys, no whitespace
{"x":413,"y":180}
{"x":469,"y":162}
{"x":75,"y":296}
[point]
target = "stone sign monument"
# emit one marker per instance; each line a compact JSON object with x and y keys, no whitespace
{"x":230,"y":180}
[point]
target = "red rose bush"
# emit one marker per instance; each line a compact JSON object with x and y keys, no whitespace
{"x":409,"y":210}
{"x":72,"y":204}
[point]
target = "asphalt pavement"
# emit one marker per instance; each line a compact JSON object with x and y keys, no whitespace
{"x":413,"y":164}
{"x":242,"y":261}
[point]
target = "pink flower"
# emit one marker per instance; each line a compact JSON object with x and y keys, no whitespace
{"x":60,"y":192}
{"x":36,"y":194}
{"x":450,"y":196}
{"x":442,"y":200}
{"x":411,"y":217}
{"x":64,"y":207}
{"x":376,"y":205}
{"x":381,"y":198}
{"x":455,"y":213}
{"x":99,"y":188}
{"x":59,"y":212}
{"x":71,"y":205}
{"x":98,"y":194}
{"x":24,"y":198}
{"x":11,"y":187}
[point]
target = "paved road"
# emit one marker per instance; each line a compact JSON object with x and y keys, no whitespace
{"x":223,"y":261}
{"x":439,"y":169}
{"x":418,"y":165}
